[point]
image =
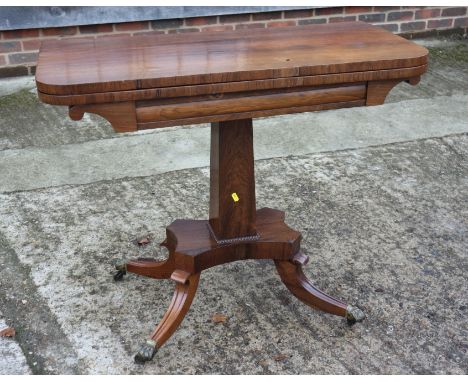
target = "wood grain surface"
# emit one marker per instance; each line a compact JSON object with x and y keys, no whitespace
{"x":70,"y":67}
{"x":232,"y":173}
{"x":186,"y":108}
{"x":248,"y":114}
{"x":195,"y":249}
{"x":217,"y":89}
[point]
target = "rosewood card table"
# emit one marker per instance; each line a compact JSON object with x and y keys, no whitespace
{"x":226,"y":78}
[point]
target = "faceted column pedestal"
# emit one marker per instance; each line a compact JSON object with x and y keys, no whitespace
{"x":235,"y":231}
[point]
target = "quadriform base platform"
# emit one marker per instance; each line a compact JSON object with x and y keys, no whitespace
{"x":227,"y":78}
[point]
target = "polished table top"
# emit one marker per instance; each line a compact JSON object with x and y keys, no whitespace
{"x":69,"y":66}
{"x":146,"y":82}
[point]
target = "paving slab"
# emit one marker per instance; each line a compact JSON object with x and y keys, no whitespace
{"x":386,"y":229}
{"x":148,"y":154}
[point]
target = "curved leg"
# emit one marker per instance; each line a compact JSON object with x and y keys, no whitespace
{"x":186,"y":286}
{"x":157,"y":269}
{"x":292,"y":276}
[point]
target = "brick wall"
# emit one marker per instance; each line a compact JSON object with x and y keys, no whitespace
{"x":19,"y":48}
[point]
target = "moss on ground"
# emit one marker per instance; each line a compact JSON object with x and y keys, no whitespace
{"x":23,"y":97}
{"x":456,"y":54}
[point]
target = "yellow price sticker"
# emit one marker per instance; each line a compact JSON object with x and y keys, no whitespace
{"x":235,"y":197}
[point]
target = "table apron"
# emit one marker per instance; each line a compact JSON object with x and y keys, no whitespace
{"x":188,"y":108}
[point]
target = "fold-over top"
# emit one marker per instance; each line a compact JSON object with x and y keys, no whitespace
{"x":113,"y":64}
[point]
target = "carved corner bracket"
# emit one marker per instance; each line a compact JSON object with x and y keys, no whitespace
{"x":377,"y":91}
{"x":121,"y":115}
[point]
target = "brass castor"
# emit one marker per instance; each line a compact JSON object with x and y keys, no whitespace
{"x":146,"y":352}
{"x":121,"y":266}
{"x":354,"y":315}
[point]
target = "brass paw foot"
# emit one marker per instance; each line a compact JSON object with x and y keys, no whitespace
{"x":146,"y":352}
{"x":354,"y":315}
{"x":121,"y":266}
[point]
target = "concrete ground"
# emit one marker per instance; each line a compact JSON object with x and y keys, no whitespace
{"x":379,"y":193}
